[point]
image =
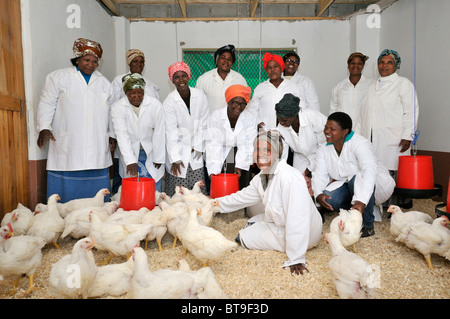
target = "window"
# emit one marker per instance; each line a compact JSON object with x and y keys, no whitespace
{"x":248,"y":62}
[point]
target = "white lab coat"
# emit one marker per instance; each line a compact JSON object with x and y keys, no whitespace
{"x":265,"y":96}
{"x":356,"y":158}
{"x":291,"y":222}
{"x":307,"y":91}
{"x":146,"y":130}
{"x":151,"y":88}
{"x":78,"y":114}
{"x":387,"y":116}
{"x":214,"y":87}
{"x":305,"y":143}
{"x":346,"y":97}
{"x":221,"y":139}
{"x":185,"y":131}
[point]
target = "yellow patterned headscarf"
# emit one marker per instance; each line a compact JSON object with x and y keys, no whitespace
{"x":132,"y":53}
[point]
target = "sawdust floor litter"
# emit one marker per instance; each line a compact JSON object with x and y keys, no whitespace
{"x":246,"y":274}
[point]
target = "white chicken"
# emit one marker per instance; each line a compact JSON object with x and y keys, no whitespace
{"x":205,"y":283}
{"x":97,"y":201}
{"x":158,"y":220}
{"x":159,"y":284}
{"x":20,"y":255}
{"x":175,"y":215}
{"x":48,"y":225}
{"x":127,"y":216}
{"x":204,"y":242}
{"x":427,"y":238}
{"x":20,"y":219}
{"x":118,"y":239}
{"x":42,"y":208}
{"x":191,"y":196}
{"x":195,"y":190}
{"x":112,"y":280}
{"x":400,"y":219}
{"x":72,"y":276}
{"x":348,"y":227}
{"x":177,"y":197}
{"x":77,"y":223}
{"x":353,"y":277}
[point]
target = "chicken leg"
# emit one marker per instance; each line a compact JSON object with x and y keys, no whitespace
{"x":12,"y":292}
{"x":174,"y":241}
{"x":428,"y":259}
{"x":107,"y":260}
{"x":56,"y":245}
{"x":31,"y":286}
{"x":159,"y":244}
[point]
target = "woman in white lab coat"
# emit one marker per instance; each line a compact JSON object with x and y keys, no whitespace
{"x":74,"y":115}
{"x":302,"y":130}
{"x":139,"y":127}
{"x":231,"y":132}
{"x":348,"y":161}
{"x":389,"y":116}
{"x":270,"y":92}
{"x":290,"y":222}
{"x":185,"y":114}
{"x":136,"y":62}
{"x":347,"y":95}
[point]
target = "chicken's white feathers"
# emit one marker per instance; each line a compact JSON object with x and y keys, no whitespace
{"x":400,"y":219}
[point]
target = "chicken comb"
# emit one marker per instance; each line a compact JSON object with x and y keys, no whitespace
{"x":10,"y":229}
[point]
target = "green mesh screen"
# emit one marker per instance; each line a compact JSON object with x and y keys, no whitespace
{"x":248,"y":62}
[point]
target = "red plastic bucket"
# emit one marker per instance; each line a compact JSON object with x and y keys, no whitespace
{"x":137,"y":193}
{"x":224,"y":184}
{"x":415,"y":172}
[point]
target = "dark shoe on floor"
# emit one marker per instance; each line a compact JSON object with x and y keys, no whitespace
{"x":367,"y":232}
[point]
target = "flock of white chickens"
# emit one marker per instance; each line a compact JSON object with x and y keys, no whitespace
{"x":355,"y":278}
{"x":95,"y":223}
{"x":187,"y":216}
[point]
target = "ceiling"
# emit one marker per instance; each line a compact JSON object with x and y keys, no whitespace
{"x":222,"y":10}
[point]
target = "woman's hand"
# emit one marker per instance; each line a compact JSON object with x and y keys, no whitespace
{"x":175,"y":168}
{"x":43,"y":136}
{"x":359,"y":206}
{"x":307,"y":176}
{"x":237,"y":171}
{"x":322,"y":201}
{"x":132,"y":170}
{"x":404,"y":145}
{"x":156,"y":165}
{"x":298,"y":269}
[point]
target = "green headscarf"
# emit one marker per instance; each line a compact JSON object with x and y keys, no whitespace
{"x":133,"y":81}
{"x":289,"y":106}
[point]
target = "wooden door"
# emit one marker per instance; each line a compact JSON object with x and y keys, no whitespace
{"x":14,"y":181}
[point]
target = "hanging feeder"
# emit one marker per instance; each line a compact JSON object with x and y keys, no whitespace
{"x":224,"y":184}
{"x":137,"y":193}
{"x":415,"y":177}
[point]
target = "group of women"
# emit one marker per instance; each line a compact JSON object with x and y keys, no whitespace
{"x":304,"y":160}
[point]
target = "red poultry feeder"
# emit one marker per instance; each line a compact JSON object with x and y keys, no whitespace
{"x":137,"y":193}
{"x":224,"y":184}
{"x":415,"y":177}
{"x":443,"y":209}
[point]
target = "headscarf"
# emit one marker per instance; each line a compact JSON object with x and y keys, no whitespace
{"x":393,"y":54}
{"x":269,"y":57}
{"x":238,"y":90}
{"x":289,"y":106}
{"x":226,"y":48}
{"x":132,"y":53}
{"x":82,"y":46}
{"x":133,"y":81}
{"x":363,"y":57}
{"x":178,"y":66}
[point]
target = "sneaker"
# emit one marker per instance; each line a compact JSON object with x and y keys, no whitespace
{"x":367,"y":232}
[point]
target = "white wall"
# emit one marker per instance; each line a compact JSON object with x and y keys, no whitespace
{"x":47,"y":44}
{"x":432,"y":63}
{"x":323,"y":46}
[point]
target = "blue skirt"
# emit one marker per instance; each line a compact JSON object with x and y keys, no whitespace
{"x":143,"y":172}
{"x":78,"y":184}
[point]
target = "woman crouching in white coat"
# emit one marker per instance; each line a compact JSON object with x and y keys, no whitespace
{"x":139,"y":128}
{"x":291,"y":222}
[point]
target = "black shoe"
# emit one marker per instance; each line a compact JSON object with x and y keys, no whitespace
{"x":367,"y":232}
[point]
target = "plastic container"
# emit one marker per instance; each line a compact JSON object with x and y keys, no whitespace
{"x":415,"y":172}
{"x":224,"y":184}
{"x":137,"y":193}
